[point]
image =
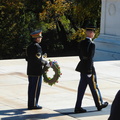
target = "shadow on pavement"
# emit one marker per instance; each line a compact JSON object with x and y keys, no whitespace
{"x":91,"y":111}
{"x":19,"y":114}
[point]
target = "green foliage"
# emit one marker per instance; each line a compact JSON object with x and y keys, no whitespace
{"x":11,"y":20}
{"x":16,"y":25}
{"x":65,"y":22}
{"x":62,"y":22}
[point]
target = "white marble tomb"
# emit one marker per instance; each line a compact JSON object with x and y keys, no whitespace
{"x":109,"y":38}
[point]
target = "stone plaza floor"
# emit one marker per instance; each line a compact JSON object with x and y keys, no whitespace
{"x":58,"y":101}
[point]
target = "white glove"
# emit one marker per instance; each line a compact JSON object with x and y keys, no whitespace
{"x":48,"y":65}
{"x":89,"y":75}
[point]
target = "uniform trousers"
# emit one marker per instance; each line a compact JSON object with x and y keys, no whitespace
{"x":92,"y":82}
{"x":34,"y":88}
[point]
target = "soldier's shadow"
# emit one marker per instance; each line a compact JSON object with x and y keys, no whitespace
{"x":91,"y":111}
{"x":20,"y":114}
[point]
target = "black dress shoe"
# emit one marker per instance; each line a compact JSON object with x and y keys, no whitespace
{"x":102,"y":106}
{"x":35,"y":107}
{"x":80,"y":110}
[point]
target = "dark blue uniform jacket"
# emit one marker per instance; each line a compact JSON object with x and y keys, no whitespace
{"x":86,"y":53}
{"x":34,"y":59}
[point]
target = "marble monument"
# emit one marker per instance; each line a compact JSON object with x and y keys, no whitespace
{"x":108,"y":42}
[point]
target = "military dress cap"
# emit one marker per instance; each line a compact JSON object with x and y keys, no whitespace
{"x":91,"y":28}
{"x":36,"y":34}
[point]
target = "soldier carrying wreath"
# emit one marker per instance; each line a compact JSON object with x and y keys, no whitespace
{"x":35,"y":63}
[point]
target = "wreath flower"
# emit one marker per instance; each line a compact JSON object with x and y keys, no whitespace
{"x":56,"y":68}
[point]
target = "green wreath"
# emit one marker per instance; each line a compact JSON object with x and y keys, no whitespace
{"x":54,"y":65}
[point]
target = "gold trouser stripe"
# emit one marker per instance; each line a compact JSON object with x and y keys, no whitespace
{"x":94,"y":83}
{"x":36,"y":91}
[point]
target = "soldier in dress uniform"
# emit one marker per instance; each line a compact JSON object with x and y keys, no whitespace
{"x":87,"y":72}
{"x":34,"y":69}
